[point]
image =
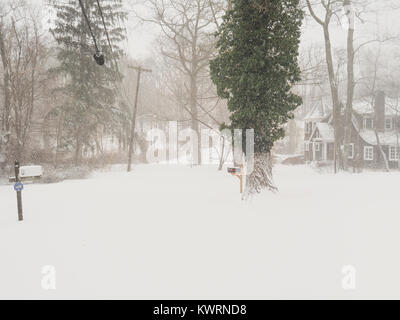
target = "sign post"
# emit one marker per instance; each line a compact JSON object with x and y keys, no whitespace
{"x":18,"y":187}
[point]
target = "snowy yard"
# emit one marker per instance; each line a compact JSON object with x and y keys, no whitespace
{"x":180,"y":232}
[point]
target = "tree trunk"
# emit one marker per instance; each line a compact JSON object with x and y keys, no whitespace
{"x":194,"y":115}
{"x":261,"y":177}
{"x":335,"y":96}
{"x":78,"y":151}
{"x":6,"y":87}
{"x":350,"y":84}
{"x":222,"y":155}
{"x":385,"y":161}
{"x":5,"y":125}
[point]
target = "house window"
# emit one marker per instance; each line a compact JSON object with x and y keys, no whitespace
{"x":389,"y":124}
{"x":394,"y":153}
{"x":307,"y":146}
{"x":351,"y":151}
{"x":369,"y":153}
{"x":368,"y":123}
{"x":317,"y":146}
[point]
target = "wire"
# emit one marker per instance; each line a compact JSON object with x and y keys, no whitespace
{"x":107,"y":35}
{"x":104,"y":24}
{"x":108,"y":40}
{"x":90,"y":28}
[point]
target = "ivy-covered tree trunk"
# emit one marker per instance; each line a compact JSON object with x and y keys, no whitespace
{"x":261,"y":177}
{"x":255,"y":70}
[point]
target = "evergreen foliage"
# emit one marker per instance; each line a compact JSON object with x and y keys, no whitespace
{"x":89,"y":90}
{"x":256,"y":66}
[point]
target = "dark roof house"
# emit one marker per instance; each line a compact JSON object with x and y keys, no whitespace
{"x":375,"y":134}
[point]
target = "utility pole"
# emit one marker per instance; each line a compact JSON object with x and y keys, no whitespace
{"x":133,"y":120}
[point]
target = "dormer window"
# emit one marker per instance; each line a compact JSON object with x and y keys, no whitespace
{"x":368,"y":123}
{"x":388,"y":124}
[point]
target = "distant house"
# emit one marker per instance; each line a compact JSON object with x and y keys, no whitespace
{"x":375,"y":131}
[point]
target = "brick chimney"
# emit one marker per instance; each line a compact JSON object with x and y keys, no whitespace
{"x":380,"y":111}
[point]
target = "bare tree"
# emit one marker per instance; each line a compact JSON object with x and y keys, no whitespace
{"x":353,"y":10}
{"x":187,"y":43}
{"x":5,"y":114}
{"x":331,"y":8}
{"x":7,"y":10}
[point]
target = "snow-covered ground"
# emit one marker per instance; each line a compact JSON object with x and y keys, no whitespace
{"x":178,"y":232}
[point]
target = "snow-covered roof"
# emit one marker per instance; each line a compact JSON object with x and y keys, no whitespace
{"x":318,"y":112}
{"x":326,"y":132}
{"x":385,"y":138}
{"x":392,"y":106}
{"x":365,"y":106}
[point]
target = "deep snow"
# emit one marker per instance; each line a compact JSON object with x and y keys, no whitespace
{"x":170,"y":231}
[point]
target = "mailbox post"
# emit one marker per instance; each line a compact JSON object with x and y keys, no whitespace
{"x":18,"y":187}
{"x":238,"y":172}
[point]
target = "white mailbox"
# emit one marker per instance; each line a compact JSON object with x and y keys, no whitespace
{"x":31,"y":171}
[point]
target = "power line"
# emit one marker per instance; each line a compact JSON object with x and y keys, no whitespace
{"x":90,"y":28}
{"x":104,"y":24}
{"x":97,"y":56}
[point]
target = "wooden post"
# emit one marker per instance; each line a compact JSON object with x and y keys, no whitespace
{"x":19,"y":193}
{"x":133,"y":120}
{"x":241,"y":178}
{"x":235,"y":172}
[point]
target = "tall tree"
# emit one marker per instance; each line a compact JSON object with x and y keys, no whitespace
{"x":353,"y":9}
{"x":255,"y":71}
{"x":331,"y":9}
{"x":6,"y":10}
{"x":187,"y":43}
{"x":89,"y":90}
{"x":23,"y":54}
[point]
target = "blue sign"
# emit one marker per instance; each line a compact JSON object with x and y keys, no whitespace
{"x":18,"y":186}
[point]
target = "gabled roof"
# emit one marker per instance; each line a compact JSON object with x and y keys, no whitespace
{"x":325,"y":130}
{"x":318,"y":112}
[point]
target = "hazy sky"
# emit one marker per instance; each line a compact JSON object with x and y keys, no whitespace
{"x":140,"y":43}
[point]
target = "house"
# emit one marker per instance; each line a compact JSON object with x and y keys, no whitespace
{"x":375,"y":134}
